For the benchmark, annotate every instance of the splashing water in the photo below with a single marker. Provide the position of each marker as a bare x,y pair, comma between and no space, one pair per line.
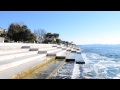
101,66
76,71
101,62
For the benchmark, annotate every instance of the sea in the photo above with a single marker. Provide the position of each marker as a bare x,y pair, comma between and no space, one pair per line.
101,62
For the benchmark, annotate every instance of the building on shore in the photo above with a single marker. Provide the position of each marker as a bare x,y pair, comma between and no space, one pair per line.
39,39
2,31
1,40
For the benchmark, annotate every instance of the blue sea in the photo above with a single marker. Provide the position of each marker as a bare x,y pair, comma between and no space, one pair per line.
101,62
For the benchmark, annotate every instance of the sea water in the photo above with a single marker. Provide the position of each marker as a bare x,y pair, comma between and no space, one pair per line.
101,62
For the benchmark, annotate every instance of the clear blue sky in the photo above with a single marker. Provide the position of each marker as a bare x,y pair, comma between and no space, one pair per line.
82,27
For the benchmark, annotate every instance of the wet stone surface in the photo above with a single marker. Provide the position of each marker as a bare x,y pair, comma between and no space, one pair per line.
65,72
47,71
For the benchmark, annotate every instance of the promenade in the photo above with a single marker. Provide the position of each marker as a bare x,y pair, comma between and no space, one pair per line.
20,59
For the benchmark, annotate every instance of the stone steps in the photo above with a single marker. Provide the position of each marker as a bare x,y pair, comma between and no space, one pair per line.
25,56
75,57
71,58
20,54
13,71
61,55
5,64
54,52
6,46
3,52
42,49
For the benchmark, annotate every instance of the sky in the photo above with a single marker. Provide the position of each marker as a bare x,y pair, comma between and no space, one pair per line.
81,27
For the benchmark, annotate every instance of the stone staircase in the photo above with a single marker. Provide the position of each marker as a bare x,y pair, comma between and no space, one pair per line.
18,57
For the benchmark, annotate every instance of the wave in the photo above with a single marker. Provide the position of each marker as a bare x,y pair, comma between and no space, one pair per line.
100,67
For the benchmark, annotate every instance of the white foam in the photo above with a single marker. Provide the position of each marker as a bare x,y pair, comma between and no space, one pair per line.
85,58
100,67
95,67
76,71
117,76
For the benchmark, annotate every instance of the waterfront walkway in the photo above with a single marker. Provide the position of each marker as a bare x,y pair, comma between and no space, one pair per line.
20,59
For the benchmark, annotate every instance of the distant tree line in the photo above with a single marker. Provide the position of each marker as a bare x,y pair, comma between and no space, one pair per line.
21,33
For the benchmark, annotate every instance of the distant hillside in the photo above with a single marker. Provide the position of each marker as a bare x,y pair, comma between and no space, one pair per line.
99,45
